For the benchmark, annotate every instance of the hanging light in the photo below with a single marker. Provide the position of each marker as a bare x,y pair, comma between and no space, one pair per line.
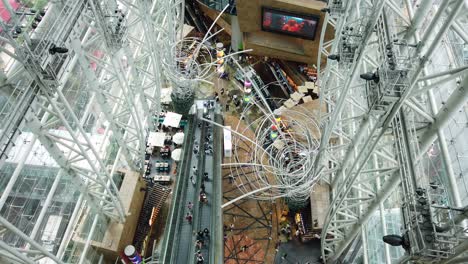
370,76
54,49
334,57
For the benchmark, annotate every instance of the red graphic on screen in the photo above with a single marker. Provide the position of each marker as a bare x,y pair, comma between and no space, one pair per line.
283,22
293,26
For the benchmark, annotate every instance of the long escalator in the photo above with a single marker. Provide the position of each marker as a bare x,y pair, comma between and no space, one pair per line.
181,235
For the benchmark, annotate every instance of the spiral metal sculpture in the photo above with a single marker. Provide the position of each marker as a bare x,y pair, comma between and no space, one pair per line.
281,152
186,61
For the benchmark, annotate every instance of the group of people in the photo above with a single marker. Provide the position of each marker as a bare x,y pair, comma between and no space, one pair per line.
202,235
208,147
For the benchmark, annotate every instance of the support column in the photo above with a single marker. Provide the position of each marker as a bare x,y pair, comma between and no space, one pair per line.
15,253
456,100
16,172
421,13
454,193
46,205
383,221
71,225
23,236
236,34
387,189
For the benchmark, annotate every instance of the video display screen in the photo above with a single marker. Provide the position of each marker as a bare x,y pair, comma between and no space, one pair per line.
299,25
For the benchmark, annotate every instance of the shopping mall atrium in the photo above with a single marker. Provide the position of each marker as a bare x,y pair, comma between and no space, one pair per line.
233,131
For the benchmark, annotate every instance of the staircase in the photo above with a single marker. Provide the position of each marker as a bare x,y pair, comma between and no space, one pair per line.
154,200
306,218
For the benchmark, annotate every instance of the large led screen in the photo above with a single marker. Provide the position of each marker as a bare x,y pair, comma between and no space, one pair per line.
298,25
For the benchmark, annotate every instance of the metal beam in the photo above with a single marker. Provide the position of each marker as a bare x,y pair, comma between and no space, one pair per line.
387,189
456,100
458,250
26,238
352,75
58,156
434,34
15,253
103,103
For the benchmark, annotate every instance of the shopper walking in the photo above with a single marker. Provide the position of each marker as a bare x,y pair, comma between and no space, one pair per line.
199,244
192,179
200,234
200,260
189,218
199,257
206,232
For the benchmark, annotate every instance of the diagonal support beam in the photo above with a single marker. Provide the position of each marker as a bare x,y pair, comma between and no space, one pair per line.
457,100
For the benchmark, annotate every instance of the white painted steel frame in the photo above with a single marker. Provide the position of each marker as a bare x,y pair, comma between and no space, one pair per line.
336,82
129,117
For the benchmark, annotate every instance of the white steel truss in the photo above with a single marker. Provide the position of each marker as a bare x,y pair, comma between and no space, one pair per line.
394,120
110,49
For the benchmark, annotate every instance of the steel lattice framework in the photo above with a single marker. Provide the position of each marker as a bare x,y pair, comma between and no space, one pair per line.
109,49
86,80
378,129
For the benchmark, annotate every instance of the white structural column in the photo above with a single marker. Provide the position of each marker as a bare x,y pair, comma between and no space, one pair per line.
456,101
381,214
236,34
334,116
99,92
70,227
113,48
344,221
80,176
149,82
45,206
150,37
16,172
34,244
453,188
15,254
121,89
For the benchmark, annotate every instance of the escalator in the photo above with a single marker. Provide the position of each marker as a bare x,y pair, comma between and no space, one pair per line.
219,5
193,17
280,76
258,83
